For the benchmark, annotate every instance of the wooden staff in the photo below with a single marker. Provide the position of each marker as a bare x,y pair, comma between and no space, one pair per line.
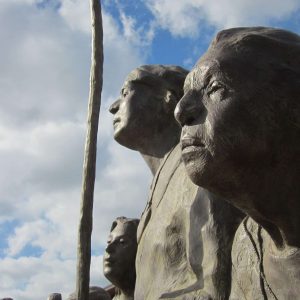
89,165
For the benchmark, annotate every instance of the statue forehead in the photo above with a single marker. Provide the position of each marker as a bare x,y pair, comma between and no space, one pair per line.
192,78
203,70
133,75
123,228
137,75
142,76
219,62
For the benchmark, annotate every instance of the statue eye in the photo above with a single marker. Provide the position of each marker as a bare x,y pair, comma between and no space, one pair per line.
217,91
122,241
124,92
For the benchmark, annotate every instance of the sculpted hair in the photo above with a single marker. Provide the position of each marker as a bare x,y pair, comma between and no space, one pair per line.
131,223
161,78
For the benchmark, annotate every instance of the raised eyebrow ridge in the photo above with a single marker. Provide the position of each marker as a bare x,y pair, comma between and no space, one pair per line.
188,82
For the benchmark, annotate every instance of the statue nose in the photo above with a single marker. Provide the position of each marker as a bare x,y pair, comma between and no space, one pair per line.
110,248
188,109
114,107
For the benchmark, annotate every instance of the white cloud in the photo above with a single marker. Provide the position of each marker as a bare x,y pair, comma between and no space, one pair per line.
180,17
45,59
77,14
191,17
133,33
41,74
25,234
38,277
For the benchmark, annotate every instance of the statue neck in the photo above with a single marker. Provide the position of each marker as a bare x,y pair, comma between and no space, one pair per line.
152,162
123,296
155,150
274,203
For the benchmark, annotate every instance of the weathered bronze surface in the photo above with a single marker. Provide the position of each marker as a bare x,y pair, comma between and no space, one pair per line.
240,123
185,233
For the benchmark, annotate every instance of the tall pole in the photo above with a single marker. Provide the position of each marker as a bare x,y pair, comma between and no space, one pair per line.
89,165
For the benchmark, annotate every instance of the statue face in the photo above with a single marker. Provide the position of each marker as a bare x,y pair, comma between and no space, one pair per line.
221,135
135,114
119,256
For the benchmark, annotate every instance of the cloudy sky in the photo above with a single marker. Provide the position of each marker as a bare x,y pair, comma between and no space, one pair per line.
44,80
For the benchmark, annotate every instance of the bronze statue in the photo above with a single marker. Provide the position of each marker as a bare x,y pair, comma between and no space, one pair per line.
119,257
143,115
185,233
240,121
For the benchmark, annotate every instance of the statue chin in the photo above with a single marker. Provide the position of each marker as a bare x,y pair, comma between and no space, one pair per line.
106,271
124,139
196,174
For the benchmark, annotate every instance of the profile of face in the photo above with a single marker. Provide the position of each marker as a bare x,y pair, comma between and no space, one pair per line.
135,113
226,115
146,104
217,131
120,253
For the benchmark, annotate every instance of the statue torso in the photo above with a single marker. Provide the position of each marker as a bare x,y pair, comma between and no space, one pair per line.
259,274
179,247
162,258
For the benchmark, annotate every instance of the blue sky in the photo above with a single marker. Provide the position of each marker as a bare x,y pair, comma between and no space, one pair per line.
45,61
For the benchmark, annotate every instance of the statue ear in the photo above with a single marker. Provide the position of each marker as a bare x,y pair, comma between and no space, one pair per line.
170,101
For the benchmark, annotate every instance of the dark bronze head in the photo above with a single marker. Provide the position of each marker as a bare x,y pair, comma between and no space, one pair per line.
240,112
120,253
146,104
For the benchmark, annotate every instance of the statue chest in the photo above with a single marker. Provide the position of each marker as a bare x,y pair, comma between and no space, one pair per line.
256,273
162,262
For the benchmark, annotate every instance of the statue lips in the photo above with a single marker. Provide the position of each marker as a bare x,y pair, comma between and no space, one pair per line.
116,121
108,260
189,144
